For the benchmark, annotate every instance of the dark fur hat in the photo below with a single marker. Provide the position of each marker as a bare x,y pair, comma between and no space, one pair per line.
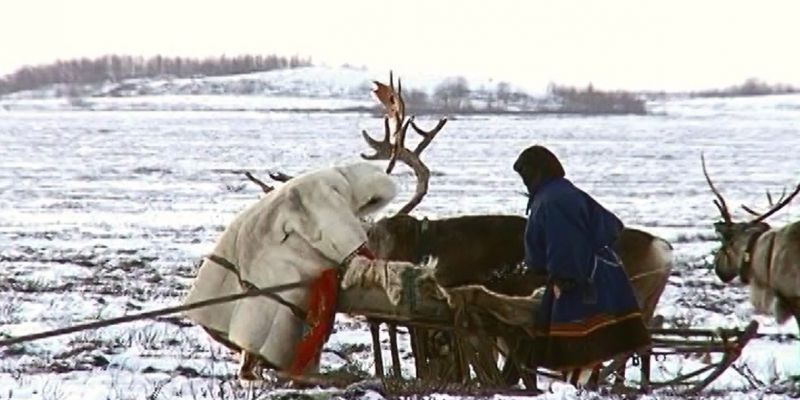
537,163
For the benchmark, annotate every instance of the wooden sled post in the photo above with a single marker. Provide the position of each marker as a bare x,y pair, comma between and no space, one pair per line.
396,370
645,368
374,330
418,352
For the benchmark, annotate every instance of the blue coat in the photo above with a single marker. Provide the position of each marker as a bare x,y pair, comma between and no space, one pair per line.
569,238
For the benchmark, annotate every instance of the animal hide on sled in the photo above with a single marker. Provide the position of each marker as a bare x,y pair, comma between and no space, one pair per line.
411,289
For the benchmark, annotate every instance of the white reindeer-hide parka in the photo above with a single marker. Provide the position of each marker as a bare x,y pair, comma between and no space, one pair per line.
309,224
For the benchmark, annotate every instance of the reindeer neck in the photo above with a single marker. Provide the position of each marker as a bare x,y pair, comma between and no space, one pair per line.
746,263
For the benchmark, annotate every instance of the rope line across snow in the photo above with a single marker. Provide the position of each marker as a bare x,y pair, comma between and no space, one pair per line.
151,314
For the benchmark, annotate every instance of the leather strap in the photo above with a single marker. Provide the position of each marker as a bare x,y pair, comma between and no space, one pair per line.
769,259
424,240
746,265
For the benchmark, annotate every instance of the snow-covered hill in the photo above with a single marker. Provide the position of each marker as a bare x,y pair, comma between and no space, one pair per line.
312,82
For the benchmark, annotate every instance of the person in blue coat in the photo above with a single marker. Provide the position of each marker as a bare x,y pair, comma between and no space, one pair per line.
589,312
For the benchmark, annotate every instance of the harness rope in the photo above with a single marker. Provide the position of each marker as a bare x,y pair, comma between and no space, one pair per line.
246,285
769,259
154,313
647,273
424,238
250,290
746,263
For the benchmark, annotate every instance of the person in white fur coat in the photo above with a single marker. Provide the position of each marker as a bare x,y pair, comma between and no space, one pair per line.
302,230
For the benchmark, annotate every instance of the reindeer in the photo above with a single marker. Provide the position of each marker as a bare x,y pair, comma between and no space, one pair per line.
765,258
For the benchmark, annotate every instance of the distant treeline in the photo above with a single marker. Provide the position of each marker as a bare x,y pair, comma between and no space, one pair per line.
452,95
455,95
118,67
591,101
750,87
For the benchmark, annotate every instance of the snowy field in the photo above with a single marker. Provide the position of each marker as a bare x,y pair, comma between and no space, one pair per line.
106,213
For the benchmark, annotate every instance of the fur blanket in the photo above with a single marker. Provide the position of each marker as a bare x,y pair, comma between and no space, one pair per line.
391,279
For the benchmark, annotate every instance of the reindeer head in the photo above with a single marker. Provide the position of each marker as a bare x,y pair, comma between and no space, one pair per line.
736,237
396,238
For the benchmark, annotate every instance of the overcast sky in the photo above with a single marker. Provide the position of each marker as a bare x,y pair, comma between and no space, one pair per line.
635,44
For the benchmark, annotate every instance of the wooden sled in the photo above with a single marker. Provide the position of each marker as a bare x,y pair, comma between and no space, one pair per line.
475,338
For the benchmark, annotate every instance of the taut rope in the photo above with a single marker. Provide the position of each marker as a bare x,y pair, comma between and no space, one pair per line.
647,273
152,314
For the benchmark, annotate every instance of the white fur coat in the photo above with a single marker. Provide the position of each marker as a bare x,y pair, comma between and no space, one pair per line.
305,226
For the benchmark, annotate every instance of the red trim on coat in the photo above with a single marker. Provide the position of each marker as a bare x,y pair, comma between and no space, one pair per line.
320,317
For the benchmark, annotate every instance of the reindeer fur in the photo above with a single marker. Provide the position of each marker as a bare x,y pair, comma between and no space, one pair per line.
774,272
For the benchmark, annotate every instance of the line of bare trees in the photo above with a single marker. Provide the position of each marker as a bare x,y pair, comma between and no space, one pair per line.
118,67
454,94
750,87
589,100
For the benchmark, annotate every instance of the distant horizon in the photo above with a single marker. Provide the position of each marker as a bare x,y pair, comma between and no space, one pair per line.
316,63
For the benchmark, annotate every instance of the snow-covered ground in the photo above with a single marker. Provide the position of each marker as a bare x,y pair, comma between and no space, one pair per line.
107,213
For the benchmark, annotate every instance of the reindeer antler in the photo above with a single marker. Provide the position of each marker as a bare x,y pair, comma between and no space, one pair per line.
769,200
396,125
720,201
774,207
395,112
275,176
264,187
280,176
392,147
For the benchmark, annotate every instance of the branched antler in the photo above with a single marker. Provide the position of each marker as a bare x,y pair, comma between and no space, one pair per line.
769,200
264,187
276,176
280,176
720,201
760,217
396,126
392,147
427,136
773,206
